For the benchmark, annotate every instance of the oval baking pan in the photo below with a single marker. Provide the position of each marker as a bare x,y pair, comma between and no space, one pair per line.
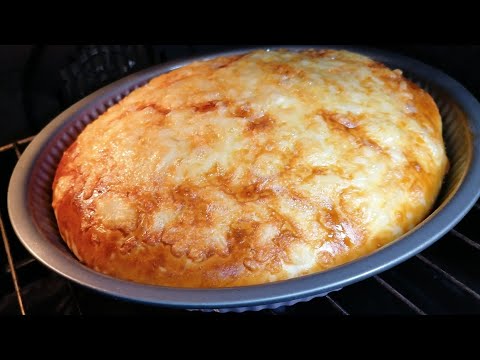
30,192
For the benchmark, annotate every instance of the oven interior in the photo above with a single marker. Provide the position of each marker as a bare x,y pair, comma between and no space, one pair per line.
41,81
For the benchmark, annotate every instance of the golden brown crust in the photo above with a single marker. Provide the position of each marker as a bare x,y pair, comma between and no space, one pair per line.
248,169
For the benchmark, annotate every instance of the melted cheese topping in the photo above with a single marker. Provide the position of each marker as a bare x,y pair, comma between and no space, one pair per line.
248,169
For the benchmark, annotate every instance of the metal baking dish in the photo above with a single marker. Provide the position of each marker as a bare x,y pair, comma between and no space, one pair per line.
29,197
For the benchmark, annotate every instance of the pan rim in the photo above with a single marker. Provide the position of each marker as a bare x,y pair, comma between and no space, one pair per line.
426,233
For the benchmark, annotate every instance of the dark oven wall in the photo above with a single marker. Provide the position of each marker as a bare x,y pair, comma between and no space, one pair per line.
37,82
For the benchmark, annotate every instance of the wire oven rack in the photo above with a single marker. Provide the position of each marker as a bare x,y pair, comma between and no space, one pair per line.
444,279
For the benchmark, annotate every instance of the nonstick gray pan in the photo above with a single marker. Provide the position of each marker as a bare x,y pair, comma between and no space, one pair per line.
29,197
